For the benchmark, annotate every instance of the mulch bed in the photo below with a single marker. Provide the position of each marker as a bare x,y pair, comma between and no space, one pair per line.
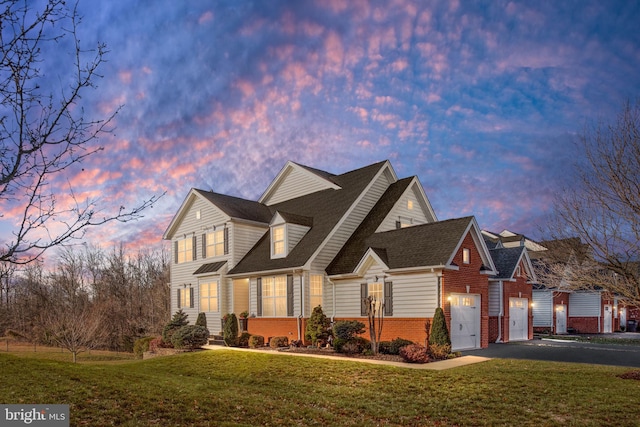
331,352
631,375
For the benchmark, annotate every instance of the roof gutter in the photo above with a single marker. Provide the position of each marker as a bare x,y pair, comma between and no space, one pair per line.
266,272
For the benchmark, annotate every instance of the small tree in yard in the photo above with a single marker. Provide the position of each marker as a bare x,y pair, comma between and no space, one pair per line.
439,332
202,320
375,316
178,320
230,331
317,327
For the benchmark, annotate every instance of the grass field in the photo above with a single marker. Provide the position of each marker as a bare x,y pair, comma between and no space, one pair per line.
226,387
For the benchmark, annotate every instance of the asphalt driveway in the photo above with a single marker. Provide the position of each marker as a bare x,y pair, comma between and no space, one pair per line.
563,351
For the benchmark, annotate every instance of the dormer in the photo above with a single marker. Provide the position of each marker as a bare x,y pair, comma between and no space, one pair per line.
286,230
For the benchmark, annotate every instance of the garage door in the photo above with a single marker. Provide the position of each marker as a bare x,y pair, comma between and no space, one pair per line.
518,319
465,321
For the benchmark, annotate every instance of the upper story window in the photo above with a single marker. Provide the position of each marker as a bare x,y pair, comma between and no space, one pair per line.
184,250
278,246
410,205
215,243
315,290
466,256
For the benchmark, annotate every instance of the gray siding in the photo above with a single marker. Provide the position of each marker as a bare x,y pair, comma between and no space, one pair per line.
295,233
350,223
542,309
584,304
401,212
296,183
242,237
494,299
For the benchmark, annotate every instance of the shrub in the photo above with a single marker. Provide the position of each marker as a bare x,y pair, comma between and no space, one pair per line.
439,352
414,353
243,339
155,344
256,341
230,330
141,345
277,342
317,328
439,332
178,320
397,344
202,320
190,336
347,329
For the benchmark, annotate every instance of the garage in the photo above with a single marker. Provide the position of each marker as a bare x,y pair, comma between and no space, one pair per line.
518,319
465,321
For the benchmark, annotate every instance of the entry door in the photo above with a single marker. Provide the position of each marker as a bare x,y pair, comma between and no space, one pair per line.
518,319
623,318
608,319
561,319
465,321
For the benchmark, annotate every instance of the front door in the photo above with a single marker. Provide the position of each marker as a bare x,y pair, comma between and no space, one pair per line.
465,321
608,319
561,319
623,318
518,319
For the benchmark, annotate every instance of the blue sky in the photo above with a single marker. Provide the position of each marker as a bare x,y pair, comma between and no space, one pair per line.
481,100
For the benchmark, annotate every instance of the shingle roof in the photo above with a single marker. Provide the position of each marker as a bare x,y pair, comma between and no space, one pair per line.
210,267
236,207
326,207
424,245
506,261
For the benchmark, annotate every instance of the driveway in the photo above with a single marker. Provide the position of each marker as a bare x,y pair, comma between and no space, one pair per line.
563,351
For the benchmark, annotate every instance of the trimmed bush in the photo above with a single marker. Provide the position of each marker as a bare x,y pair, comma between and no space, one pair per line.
317,328
141,345
414,353
190,336
243,339
202,320
230,330
256,341
277,342
393,347
156,343
439,352
439,332
347,329
178,320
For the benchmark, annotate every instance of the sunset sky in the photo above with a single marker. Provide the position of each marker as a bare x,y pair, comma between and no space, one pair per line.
481,100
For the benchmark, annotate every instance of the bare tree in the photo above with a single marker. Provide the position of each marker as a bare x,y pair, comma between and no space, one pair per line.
44,130
375,316
596,223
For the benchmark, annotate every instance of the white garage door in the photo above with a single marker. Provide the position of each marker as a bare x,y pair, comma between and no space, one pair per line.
465,321
518,319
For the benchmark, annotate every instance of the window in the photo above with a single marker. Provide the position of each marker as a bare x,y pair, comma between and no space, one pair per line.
185,297
466,256
382,292
315,290
209,296
215,243
410,205
277,241
274,296
184,250
375,291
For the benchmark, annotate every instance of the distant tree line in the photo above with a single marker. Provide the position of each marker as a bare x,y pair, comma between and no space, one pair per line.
90,298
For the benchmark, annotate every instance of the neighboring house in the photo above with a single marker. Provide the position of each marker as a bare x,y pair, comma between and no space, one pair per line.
510,290
315,238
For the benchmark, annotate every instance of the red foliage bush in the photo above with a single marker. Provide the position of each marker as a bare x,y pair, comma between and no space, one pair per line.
414,353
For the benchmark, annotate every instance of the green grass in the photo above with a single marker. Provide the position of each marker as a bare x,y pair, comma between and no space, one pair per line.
226,387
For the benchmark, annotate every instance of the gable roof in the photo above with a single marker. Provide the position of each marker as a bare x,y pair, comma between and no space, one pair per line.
314,178
428,245
506,260
326,207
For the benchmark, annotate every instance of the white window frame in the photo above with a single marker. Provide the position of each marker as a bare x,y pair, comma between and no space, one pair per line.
466,255
206,298
376,290
316,282
279,246
274,296
215,243
185,250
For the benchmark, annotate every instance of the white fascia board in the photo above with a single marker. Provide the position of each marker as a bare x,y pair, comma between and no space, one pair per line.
481,246
364,263
286,170
184,207
267,272
416,182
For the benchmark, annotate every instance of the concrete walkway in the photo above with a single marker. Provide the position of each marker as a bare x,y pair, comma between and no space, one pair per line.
433,366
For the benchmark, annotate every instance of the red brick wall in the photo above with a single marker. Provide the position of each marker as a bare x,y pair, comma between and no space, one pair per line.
493,328
583,325
468,275
275,327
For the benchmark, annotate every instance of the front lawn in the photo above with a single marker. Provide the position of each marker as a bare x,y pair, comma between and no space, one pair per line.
226,387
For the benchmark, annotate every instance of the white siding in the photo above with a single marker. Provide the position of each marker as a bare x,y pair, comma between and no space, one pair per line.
542,309
295,233
418,215
242,237
296,183
584,304
494,299
349,225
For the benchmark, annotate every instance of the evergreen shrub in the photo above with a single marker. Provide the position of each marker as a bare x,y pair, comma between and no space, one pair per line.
190,337
439,332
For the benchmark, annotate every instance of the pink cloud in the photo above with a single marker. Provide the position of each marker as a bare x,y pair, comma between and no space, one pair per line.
361,112
205,17
125,76
334,52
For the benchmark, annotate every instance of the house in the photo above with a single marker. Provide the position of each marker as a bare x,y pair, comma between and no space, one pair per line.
510,290
317,238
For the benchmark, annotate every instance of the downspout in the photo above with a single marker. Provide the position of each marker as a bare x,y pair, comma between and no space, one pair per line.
333,309
301,306
501,313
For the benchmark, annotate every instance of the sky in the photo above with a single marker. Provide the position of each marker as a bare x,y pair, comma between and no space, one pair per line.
482,101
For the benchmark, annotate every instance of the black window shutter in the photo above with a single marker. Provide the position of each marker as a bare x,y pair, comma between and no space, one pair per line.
259,296
226,241
191,299
175,251
289,295
179,298
364,293
388,298
204,245
193,246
